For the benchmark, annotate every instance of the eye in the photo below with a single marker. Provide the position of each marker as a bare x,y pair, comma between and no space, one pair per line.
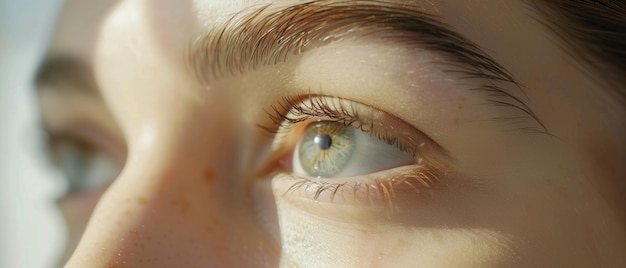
330,149
327,146
85,165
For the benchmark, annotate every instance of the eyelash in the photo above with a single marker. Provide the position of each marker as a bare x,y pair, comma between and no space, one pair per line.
384,189
289,112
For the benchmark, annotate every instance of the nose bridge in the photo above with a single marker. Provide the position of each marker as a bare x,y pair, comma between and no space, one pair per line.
163,208
166,195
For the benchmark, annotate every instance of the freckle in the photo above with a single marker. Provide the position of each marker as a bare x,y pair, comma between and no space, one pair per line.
118,223
141,200
174,202
184,207
456,121
138,245
460,107
208,228
126,212
208,175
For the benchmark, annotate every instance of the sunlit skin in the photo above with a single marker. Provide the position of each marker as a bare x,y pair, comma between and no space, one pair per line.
203,186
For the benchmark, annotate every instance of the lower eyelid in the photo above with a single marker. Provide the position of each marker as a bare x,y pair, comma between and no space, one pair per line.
378,190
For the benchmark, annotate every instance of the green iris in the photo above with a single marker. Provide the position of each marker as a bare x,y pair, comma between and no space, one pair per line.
326,148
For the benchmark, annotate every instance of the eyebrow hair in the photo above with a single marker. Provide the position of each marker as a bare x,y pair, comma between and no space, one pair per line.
593,32
268,36
66,73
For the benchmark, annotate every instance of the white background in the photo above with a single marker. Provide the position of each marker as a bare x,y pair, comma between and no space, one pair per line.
31,232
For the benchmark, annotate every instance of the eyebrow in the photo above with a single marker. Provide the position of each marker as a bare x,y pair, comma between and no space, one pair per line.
66,73
593,33
269,35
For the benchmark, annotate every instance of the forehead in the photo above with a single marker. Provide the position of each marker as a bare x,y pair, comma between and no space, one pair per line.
81,22
77,28
173,24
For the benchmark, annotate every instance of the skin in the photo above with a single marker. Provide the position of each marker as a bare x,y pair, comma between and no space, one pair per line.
192,193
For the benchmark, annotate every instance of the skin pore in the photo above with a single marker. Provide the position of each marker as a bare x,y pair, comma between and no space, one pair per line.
513,151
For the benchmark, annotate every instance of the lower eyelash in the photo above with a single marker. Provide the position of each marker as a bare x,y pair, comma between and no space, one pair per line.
373,189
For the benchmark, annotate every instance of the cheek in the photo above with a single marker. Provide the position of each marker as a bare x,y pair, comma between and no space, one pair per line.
309,240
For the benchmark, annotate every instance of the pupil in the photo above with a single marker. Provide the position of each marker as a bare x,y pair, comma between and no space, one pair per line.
323,141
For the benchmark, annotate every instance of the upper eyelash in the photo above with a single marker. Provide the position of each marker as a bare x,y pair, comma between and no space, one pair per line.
290,111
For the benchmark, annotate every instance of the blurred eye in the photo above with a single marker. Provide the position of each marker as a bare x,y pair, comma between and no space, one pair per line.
331,149
85,166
